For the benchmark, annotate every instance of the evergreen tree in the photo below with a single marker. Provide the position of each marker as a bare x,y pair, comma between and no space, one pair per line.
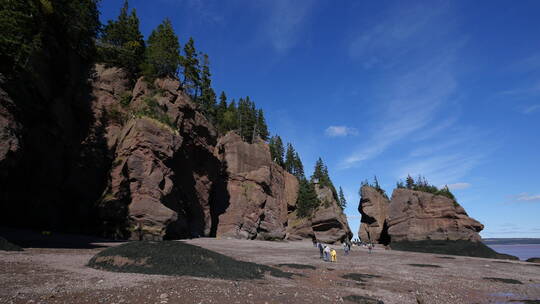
37,37
299,167
307,200
162,54
262,128
207,99
342,200
220,113
121,43
290,159
321,176
409,182
230,120
277,150
190,65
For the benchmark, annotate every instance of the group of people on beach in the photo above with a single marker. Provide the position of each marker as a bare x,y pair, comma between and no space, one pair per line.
329,254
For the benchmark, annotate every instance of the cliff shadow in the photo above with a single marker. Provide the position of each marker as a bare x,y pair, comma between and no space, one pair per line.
219,198
26,238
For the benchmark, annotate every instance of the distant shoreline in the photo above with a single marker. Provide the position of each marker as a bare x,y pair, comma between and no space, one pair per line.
510,241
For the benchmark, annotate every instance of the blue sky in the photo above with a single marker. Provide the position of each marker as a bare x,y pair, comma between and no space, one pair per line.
446,89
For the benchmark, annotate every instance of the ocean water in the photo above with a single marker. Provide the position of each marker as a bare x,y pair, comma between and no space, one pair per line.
522,251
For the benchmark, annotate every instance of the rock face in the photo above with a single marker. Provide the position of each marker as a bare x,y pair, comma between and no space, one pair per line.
254,203
415,216
329,223
163,169
141,162
374,210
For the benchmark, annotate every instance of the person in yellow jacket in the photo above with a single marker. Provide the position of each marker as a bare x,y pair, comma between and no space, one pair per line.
333,255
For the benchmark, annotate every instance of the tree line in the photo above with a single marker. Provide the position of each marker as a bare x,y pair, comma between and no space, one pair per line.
289,160
421,184
122,44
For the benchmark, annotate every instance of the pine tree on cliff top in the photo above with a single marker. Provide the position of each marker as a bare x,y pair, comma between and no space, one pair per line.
342,200
262,128
190,65
290,161
307,200
276,150
162,54
121,42
299,167
207,99
220,113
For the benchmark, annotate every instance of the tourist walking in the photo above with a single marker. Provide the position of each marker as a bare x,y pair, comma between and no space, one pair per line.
370,246
346,248
321,249
326,253
333,254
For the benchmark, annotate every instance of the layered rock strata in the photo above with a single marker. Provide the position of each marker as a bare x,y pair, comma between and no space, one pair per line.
374,210
416,215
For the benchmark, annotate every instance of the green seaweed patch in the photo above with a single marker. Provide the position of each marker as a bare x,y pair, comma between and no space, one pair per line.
362,299
446,257
359,277
297,266
178,259
8,246
503,280
425,265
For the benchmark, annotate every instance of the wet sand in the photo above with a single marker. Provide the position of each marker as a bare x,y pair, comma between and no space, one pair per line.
59,275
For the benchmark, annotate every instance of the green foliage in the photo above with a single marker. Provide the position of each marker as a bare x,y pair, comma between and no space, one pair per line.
292,163
163,53
125,99
342,201
153,110
307,200
207,99
115,115
321,177
190,65
421,184
277,150
34,33
121,43
262,128
375,185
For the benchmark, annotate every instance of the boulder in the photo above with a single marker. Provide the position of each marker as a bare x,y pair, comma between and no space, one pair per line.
253,202
374,210
328,221
416,216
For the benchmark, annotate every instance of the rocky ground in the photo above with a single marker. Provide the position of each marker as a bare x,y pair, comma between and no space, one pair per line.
59,275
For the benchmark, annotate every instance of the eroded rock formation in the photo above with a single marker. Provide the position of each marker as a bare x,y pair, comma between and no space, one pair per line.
416,215
329,222
163,168
258,191
140,161
374,210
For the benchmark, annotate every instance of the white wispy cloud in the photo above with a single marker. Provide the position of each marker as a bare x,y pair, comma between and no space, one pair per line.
525,197
401,27
531,109
416,98
286,20
420,80
458,186
336,131
441,169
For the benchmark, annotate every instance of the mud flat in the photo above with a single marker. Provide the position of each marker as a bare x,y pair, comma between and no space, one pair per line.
61,275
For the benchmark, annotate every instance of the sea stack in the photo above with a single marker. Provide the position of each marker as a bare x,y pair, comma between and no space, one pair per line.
373,207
